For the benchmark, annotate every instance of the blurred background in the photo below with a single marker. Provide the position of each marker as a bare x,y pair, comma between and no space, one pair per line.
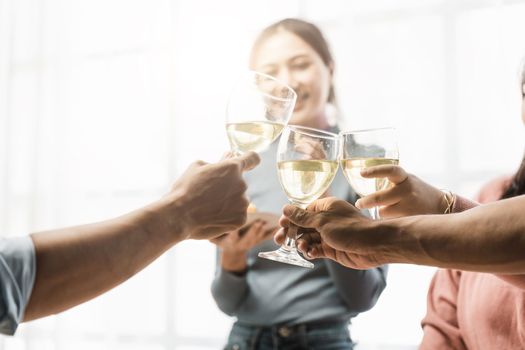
104,102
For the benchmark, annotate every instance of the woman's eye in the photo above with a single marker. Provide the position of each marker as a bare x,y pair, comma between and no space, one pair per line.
301,65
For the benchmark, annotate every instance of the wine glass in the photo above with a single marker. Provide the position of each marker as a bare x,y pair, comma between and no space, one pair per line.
306,164
259,107
366,148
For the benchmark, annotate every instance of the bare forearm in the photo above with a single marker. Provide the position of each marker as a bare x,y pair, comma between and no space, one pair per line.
79,263
489,238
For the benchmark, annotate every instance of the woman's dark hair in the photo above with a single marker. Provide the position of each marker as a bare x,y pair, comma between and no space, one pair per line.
310,34
517,187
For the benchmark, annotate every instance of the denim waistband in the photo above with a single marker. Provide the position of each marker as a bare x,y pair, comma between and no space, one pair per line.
326,334
287,328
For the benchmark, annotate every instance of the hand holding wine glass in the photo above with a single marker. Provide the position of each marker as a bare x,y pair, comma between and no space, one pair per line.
307,164
333,229
368,148
408,195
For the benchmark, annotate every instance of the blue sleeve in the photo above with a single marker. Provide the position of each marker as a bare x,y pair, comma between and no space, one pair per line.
17,276
228,289
359,289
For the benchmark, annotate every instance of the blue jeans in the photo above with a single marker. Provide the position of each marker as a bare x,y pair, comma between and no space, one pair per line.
311,336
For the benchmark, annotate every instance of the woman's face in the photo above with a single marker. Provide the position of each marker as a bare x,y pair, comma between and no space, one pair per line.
287,57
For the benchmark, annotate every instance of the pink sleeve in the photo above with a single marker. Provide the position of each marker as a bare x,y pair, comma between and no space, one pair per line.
490,192
494,189
440,325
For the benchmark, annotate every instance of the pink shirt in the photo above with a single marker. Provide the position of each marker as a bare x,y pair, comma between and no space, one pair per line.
469,310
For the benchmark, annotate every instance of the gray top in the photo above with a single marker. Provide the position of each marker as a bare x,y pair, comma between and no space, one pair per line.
271,293
17,276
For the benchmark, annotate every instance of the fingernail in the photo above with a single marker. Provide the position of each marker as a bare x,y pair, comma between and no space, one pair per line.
358,204
365,171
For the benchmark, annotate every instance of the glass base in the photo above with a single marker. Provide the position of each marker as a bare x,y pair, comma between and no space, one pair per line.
286,256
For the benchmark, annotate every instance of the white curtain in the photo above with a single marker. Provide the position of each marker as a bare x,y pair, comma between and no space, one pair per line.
103,103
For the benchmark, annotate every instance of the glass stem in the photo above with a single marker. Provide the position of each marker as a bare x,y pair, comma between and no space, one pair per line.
293,232
289,243
374,213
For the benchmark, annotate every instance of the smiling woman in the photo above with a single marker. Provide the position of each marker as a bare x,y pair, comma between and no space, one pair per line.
296,53
278,305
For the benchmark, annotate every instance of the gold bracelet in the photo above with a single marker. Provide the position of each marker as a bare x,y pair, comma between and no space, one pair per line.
449,198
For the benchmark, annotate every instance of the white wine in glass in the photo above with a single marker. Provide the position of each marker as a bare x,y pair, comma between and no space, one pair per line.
306,165
363,186
306,180
259,107
366,148
252,136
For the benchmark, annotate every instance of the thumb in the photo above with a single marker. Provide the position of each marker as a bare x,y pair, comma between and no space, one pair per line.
301,217
394,173
247,161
